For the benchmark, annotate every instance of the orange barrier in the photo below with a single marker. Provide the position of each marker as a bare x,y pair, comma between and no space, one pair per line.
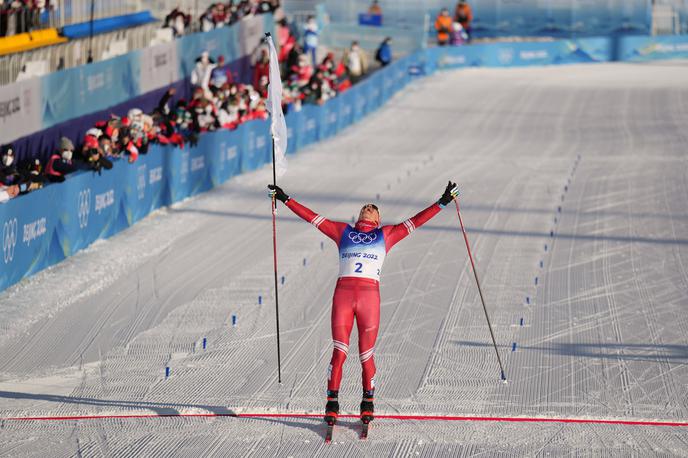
27,41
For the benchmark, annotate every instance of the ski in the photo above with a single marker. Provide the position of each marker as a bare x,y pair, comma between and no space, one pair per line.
364,431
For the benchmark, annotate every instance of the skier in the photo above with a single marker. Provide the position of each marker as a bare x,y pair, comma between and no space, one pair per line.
362,251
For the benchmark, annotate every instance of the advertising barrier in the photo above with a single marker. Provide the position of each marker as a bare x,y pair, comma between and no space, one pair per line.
45,226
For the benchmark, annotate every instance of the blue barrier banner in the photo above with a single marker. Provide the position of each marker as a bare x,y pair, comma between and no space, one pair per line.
81,90
75,92
294,121
223,41
639,49
346,109
518,54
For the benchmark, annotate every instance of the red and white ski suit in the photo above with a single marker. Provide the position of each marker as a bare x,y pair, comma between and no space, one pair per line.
362,251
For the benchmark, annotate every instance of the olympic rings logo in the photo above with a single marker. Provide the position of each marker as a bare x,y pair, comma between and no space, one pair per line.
9,239
84,207
362,237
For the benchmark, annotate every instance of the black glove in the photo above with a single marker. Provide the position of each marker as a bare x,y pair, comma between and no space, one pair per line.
450,193
278,193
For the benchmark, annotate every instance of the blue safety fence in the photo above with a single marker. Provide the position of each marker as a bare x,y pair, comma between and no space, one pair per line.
45,226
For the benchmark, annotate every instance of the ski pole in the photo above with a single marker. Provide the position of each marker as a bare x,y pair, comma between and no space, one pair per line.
480,291
274,252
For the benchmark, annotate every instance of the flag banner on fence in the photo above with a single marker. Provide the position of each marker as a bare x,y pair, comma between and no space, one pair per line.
278,125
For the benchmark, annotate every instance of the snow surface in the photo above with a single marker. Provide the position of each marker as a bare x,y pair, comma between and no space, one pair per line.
604,331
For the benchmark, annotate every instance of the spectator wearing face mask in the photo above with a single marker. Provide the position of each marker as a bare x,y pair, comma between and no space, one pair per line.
9,175
60,163
356,62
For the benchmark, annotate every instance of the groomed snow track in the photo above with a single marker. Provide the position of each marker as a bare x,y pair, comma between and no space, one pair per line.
574,182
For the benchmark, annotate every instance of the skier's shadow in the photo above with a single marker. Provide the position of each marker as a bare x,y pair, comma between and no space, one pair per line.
316,425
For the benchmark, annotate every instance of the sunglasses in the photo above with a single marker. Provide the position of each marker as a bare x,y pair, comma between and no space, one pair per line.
373,206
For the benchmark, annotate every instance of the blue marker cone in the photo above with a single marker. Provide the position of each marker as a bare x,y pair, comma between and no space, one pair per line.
322,245
282,279
205,342
536,280
260,300
513,346
542,264
167,371
527,299
304,262
521,321
234,320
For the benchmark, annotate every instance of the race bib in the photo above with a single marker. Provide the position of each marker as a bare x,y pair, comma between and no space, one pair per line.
361,254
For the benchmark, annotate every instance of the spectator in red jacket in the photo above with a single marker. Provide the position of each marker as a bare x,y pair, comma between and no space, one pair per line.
60,163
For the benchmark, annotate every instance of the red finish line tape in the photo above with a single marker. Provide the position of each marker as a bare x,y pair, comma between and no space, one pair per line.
379,417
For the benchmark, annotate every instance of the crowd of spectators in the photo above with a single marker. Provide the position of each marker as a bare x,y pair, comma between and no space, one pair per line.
20,16
454,30
217,101
218,15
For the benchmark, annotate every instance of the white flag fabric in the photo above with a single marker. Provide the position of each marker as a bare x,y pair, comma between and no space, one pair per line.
278,126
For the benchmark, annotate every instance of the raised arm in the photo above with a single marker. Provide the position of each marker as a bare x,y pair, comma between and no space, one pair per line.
395,234
332,229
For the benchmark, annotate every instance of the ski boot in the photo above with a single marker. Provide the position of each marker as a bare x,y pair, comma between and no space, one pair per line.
367,410
332,407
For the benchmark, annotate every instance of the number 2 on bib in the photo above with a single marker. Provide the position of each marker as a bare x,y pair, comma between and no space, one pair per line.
359,268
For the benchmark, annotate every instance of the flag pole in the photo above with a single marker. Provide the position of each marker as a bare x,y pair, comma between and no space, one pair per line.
274,253
480,291
280,135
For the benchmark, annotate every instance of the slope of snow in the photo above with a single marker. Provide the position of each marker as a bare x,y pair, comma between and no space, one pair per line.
573,185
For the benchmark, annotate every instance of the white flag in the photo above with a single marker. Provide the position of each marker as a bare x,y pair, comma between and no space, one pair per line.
278,126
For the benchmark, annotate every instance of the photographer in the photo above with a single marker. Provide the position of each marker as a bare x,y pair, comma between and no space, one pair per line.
91,152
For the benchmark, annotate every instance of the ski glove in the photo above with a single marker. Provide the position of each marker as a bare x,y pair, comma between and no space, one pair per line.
277,192
450,193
